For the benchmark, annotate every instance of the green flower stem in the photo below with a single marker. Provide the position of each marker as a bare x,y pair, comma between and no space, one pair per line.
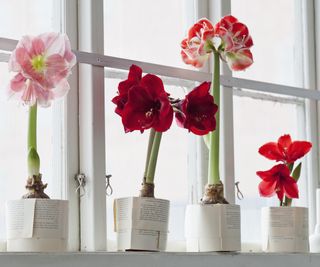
33,157
151,138
213,173
153,158
32,130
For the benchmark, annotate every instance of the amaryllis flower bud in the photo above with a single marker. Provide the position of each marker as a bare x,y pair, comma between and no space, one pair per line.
43,64
197,111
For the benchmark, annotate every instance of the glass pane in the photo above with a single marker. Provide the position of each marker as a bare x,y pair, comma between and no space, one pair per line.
275,30
126,158
257,122
146,30
22,17
19,18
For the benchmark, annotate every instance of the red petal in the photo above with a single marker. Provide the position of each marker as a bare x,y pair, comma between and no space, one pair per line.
267,189
240,29
135,73
290,187
280,193
297,150
285,141
271,151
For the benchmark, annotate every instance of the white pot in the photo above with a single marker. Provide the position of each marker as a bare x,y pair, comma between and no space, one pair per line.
284,229
214,227
35,225
315,238
141,223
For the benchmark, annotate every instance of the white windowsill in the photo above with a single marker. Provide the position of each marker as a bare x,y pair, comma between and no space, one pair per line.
141,259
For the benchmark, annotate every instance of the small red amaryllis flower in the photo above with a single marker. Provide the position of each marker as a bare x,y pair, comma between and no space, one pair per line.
197,111
278,180
134,77
236,43
285,150
198,44
148,106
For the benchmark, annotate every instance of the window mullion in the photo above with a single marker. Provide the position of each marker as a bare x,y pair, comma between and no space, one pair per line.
92,128
68,111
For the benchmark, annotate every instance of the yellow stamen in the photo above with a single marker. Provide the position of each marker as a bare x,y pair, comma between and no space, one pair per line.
38,63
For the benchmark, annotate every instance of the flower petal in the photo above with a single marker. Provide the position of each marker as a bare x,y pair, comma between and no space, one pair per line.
267,189
297,150
285,141
290,187
271,151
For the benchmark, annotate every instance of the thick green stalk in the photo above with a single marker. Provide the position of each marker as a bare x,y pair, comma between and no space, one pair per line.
150,143
32,129
33,157
153,158
213,173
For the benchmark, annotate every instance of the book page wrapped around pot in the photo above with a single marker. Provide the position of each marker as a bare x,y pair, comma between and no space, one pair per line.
42,65
214,224
284,228
143,104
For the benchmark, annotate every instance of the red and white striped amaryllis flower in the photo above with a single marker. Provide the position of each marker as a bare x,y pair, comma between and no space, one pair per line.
235,43
229,37
43,64
196,48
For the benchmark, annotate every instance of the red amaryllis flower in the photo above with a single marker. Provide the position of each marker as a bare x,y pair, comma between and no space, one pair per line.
197,111
197,46
278,180
236,43
285,150
148,106
134,77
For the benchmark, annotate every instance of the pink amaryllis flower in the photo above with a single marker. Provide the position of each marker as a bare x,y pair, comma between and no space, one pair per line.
42,64
197,111
235,43
278,181
196,48
285,150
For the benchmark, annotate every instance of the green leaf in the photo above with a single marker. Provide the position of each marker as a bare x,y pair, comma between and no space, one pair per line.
297,171
290,166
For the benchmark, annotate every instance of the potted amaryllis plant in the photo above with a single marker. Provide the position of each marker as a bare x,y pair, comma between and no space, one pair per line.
228,40
284,228
42,64
143,104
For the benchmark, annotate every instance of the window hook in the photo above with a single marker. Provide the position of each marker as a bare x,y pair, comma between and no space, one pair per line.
109,189
81,179
239,193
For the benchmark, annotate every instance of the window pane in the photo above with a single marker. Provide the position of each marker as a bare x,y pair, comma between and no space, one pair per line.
126,158
146,30
257,122
20,18
275,30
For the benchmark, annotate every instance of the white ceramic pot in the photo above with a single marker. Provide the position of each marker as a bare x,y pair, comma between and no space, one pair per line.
37,225
285,229
315,238
141,223
214,227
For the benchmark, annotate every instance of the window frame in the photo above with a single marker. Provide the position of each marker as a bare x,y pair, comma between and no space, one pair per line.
83,119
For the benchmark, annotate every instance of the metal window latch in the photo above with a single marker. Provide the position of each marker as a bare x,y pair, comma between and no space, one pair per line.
81,181
239,193
109,189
